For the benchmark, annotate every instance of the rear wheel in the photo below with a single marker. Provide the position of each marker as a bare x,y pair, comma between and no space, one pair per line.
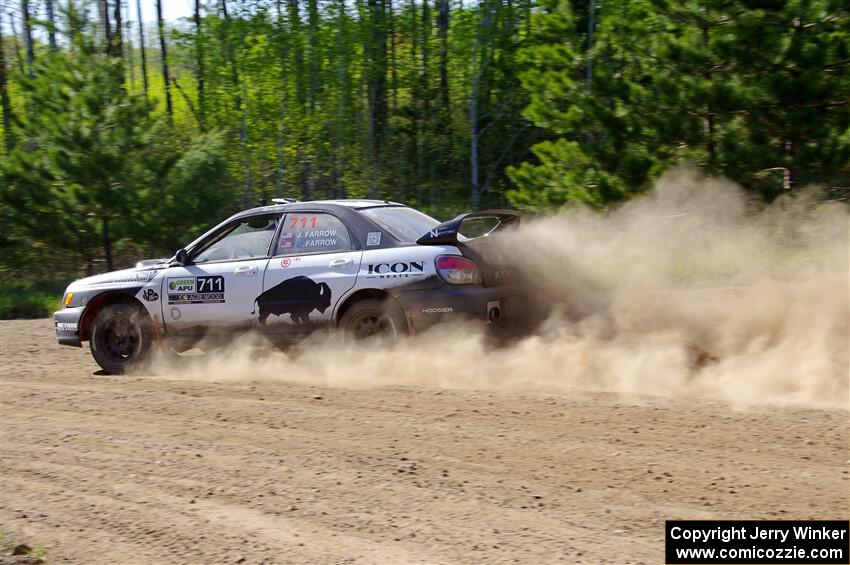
373,319
121,337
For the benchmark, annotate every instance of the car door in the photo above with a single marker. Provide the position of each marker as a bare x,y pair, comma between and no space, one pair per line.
314,263
215,293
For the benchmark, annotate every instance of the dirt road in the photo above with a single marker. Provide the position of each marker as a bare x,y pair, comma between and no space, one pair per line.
155,469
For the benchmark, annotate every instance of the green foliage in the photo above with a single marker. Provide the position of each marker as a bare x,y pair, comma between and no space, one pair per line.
440,105
30,300
754,91
94,165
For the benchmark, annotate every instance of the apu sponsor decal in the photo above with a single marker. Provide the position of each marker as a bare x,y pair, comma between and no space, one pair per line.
196,290
401,269
181,285
150,295
297,297
66,326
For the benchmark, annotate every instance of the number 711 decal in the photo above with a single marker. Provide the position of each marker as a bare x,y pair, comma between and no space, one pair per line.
210,284
304,221
196,290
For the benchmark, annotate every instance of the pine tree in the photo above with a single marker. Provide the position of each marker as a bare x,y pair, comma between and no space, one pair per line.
95,164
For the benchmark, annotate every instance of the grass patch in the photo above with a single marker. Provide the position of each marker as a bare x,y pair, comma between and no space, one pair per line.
30,300
20,552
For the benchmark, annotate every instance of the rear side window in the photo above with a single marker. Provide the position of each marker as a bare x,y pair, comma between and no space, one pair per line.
312,232
405,224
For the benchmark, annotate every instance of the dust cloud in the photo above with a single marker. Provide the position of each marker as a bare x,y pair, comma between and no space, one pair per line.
689,290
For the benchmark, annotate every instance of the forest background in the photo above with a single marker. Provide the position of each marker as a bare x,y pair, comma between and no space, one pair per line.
122,139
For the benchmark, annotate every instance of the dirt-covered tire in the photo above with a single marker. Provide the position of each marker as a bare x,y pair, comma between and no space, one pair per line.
371,318
121,338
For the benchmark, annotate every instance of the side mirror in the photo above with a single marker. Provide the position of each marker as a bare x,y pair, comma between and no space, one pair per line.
181,257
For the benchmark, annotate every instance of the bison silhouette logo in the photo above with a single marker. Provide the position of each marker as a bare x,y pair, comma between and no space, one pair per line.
297,297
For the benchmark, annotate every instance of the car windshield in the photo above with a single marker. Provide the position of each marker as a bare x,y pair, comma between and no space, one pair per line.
405,224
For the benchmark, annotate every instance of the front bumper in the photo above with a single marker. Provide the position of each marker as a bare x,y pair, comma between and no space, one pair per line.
67,322
426,307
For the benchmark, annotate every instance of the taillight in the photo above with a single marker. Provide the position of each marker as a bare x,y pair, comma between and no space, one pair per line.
455,269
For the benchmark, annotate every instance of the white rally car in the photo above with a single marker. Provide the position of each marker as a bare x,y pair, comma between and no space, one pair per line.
366,267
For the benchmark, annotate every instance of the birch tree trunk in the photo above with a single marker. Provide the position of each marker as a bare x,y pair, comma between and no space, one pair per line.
25,14
142,47
443,35
117,38
18,58
164,56
478,62
8,140
199,56
105,24
51,21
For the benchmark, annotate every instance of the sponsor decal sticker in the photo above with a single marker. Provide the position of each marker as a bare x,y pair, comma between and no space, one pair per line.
150,295
181,285
196,290
373,238
285,262
437,310
438,232
176,314
66,326
144,276
401,269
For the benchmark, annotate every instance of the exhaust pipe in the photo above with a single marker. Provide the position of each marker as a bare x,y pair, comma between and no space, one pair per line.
493,314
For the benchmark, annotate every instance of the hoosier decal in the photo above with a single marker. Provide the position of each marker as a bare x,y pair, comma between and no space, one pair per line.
196,290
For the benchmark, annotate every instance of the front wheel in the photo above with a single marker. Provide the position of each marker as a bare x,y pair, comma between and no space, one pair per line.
369,319
121,337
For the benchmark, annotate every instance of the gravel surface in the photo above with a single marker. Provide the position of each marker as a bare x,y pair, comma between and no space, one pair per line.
155,469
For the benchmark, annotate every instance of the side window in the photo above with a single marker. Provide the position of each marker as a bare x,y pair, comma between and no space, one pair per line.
247,239
311,232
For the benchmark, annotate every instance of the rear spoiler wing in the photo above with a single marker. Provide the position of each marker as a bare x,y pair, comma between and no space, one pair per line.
447,232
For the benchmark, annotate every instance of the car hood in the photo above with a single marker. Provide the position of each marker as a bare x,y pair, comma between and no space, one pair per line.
124,277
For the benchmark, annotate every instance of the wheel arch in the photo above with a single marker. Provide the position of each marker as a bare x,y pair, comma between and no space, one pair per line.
365,294
100,302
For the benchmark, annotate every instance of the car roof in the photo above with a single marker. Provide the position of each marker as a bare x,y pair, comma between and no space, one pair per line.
296,205
347,210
